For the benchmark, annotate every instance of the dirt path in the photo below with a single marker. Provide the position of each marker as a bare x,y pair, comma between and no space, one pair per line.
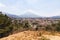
29,35
52,37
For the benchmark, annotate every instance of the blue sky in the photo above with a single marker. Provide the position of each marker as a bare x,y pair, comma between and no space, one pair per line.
39,7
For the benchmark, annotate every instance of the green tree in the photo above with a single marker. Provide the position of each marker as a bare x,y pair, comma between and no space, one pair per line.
5,25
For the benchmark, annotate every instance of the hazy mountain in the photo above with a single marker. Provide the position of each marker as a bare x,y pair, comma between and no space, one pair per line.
55,17
29,15
12,16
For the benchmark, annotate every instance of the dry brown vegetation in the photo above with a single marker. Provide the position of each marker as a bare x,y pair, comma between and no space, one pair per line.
31,35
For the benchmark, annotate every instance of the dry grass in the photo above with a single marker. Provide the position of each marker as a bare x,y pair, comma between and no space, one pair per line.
31,35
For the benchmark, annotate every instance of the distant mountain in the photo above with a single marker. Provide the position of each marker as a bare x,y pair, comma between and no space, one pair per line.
12,16
25,15
56,17
29,15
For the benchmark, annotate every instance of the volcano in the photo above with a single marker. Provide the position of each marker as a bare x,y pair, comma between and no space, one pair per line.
29,15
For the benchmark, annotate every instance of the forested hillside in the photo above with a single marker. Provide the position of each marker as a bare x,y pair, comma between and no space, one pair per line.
10,26
5,25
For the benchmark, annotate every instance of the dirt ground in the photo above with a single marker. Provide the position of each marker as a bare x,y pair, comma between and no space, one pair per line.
31,35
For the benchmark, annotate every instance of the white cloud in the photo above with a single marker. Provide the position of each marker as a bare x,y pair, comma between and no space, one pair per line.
31,1
21,7
2,5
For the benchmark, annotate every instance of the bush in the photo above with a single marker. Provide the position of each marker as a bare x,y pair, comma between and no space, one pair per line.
43,38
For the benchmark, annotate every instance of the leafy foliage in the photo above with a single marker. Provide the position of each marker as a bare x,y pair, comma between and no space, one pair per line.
5,25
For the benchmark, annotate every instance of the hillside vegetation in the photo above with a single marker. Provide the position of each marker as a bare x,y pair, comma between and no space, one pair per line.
9,26
5,25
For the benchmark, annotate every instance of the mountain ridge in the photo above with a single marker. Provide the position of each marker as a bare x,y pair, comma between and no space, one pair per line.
29,15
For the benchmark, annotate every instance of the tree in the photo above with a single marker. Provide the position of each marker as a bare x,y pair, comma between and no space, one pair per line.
5,25
58,26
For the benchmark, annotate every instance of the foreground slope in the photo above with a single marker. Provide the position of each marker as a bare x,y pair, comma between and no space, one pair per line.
30,35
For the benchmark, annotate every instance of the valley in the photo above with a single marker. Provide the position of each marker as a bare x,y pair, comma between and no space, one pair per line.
29,28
